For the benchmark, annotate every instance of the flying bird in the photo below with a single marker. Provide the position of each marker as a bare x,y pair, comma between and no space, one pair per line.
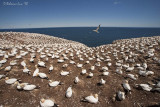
97,29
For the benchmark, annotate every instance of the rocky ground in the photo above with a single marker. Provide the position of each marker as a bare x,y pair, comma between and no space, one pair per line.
136,60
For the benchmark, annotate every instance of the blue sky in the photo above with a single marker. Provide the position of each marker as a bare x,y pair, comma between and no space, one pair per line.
75,13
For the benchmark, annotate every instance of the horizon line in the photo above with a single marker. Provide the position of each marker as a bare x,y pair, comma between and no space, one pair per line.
73,26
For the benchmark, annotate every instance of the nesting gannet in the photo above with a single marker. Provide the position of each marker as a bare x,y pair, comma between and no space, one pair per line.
29,87
102,82
105,73
84,71
121,95
79,65
69,92
104,68
10,81
54,83
41,63
97,29
130,69
91,99
145,87
2,76
119,71
92,68
50,69
36,71
132,76
23,63
126,86
90,74
76,80
25,70
63,73
8,68
31,60
42,75
47,103
60,60
4,60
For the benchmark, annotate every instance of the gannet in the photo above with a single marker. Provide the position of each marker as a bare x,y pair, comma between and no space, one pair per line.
126,86
47,103
105,73
102,82
84,71
41,63
76,80
29,87
145,87
121,95
36,71
54,83
90,74
91,99
10,81
42,75
7,69
132,76
23,63
63,73
25,70
2,76
69,92
50,69
97,29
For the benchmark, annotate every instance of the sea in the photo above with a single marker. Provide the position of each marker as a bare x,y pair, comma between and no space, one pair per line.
86,35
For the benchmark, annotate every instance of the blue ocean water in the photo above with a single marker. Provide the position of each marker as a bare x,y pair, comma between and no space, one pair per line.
85,34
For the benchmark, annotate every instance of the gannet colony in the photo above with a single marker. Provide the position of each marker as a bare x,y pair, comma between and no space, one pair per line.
38,70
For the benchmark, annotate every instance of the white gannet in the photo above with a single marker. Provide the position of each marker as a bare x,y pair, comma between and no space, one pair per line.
42,75
69,92
76,80
97,29
102,82
63,73
25,70
29,87
50,69
90,74
2,76
41,63
84,71
54,83
47,103
121,95
10,81
132,76
23,63
145,87
36,71
105,73
126,86
91,99
8,68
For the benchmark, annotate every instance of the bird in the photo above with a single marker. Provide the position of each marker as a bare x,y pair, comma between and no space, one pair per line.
23,63
90,74
105,73
63,73
42,75
8,68
145,87
47,103
36,71
50,69
121,95
97,29
69,92
132,76
76,80
91,99
54,83
102,82
84,71
10,81
25,70
41,63
29,87
2,76
126,86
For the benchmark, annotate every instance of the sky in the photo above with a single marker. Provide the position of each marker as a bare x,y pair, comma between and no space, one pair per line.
79,13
